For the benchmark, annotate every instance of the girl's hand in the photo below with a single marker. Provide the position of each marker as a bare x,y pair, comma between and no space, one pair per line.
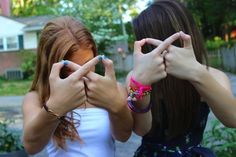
150,67
69,93
103,91
181,62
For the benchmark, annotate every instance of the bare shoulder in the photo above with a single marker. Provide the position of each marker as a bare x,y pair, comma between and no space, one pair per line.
220,77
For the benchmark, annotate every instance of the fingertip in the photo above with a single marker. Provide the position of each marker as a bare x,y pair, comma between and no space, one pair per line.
100,57
66,62
143,40
140,42
184,35
147,39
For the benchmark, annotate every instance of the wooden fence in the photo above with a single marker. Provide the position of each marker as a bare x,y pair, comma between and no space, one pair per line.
228,57
224,58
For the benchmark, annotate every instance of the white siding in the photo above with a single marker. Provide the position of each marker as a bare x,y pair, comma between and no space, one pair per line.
30,40
9,27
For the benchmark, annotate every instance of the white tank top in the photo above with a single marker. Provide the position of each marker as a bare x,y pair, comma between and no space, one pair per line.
95,132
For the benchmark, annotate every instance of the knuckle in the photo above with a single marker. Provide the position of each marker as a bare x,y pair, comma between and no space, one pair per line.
81,82
160,60
164,74
82,92
92,87
136,43
168,56
162,67
51,77
110,63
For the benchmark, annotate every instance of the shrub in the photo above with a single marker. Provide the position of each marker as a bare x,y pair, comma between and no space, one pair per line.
215,44
221,140
9,141
28,64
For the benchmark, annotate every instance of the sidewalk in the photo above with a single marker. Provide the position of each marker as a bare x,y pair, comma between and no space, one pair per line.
10,107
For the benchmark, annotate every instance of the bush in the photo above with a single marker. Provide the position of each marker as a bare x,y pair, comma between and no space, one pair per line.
28,64
215,44
221,140
9,141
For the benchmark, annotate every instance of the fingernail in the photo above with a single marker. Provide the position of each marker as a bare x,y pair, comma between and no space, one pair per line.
66,62
100,57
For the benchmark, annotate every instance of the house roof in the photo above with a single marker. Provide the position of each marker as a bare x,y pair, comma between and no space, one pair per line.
33,23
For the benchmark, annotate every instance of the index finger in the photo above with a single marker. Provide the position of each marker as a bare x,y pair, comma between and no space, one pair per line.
71,65
85,68
166,43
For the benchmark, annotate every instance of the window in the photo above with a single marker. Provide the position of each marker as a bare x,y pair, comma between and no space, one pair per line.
1,44
12,43
9,43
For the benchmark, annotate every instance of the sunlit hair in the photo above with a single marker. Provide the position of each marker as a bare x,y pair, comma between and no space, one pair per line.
59,38
175,101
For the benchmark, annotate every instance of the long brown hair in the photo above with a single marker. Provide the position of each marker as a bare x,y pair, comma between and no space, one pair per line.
59,38
174,100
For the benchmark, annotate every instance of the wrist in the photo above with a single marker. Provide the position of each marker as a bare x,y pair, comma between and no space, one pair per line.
140,77
118,107
53,105
198,73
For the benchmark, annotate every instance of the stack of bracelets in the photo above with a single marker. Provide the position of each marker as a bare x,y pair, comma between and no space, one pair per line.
136,92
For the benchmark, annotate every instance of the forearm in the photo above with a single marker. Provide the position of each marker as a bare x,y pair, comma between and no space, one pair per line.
221,100
38,131
142,121
121,122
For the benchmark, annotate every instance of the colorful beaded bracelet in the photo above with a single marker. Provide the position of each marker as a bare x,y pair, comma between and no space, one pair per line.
138,110
138,90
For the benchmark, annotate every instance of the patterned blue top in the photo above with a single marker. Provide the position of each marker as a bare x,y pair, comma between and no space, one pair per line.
187,145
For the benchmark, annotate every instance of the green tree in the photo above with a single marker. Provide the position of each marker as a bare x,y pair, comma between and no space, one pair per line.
216,18
104,18
34,7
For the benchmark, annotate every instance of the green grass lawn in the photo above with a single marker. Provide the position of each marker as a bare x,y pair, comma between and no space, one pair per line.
17,87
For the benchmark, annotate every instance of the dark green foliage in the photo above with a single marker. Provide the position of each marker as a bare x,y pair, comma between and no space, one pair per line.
221,140
9,141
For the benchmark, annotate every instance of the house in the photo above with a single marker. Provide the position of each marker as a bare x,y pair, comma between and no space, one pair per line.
18,34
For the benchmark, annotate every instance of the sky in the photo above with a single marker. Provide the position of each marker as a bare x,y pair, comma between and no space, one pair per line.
141,5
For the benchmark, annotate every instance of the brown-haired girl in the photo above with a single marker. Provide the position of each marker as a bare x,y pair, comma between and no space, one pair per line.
71,110
171,87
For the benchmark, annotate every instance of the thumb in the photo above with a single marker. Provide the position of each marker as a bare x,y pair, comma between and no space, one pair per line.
138,46
109,68
56,69
187,40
